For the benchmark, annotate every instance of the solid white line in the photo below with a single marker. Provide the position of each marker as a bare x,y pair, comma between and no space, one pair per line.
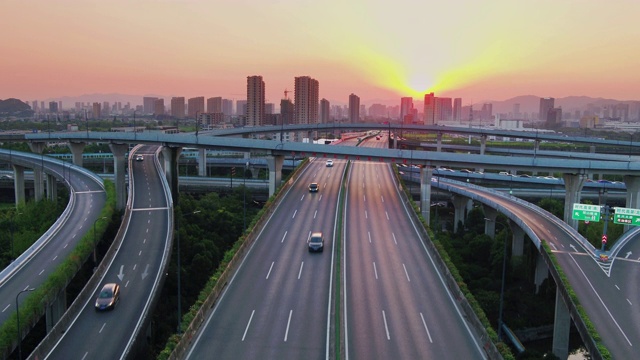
283,236
369,233
286,333
375,270
271,267
294,214
406,273
426,328
248,323
386,328
394,238
300,272
599,298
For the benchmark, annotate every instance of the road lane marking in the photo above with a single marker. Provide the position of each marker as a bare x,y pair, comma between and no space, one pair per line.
617,287
271,267
629,302
302,198
283,236
6,307
54,258
426,328
135,266
248,323
375,270
553,246
365,214
394,238
387,215
382,197
85,355
315,214
369,233
294,214
300,272
386,328
406,273
41,271
364,198
102,328
286,333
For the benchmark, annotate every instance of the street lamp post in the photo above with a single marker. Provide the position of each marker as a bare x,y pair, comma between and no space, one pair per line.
180,271
95,243
18,321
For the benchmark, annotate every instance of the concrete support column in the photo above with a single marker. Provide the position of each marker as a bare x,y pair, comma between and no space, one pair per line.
52,188
255,171
119,163
633,194
171,156
536,146
76,152
425,193
483,144
460,205
561,328
542,272
55,310
490,215
202,162
38,179
274,162
395,141
18,183
517,241
573,186
439,142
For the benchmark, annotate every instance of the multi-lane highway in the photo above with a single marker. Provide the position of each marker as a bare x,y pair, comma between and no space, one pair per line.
32,268
396,304
138,267
277,304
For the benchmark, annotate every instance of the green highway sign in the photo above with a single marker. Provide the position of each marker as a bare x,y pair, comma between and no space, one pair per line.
585,212
626,216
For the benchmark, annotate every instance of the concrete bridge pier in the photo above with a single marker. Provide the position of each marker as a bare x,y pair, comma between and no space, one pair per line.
18,183
439,142
633,194
38,179
76,152
202,162
425,193
573,186
119,162
561,328
460,205
490,215
541,273
483,148
171,156
517,240
55,310
52,187
274,162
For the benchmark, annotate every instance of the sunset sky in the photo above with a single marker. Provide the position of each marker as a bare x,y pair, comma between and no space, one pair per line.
380,50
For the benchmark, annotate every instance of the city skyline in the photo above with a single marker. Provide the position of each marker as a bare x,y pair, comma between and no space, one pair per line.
381,51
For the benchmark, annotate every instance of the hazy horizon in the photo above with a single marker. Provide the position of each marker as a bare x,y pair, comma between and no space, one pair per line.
383,50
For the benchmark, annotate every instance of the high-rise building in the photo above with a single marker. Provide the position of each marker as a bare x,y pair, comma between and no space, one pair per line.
354,108
325,111
287,111
306,96
158,107
269,108
97,111
429,109
34,105
487,111
241,107
457,109
546,104
444,109
378,111
554,118
406,108
195,106
227,107
42,106
59,105
177,107
214,105
53,107
516,111
255,101
148,104
106,108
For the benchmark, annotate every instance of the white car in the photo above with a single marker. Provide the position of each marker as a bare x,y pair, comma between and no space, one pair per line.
329,163
139,158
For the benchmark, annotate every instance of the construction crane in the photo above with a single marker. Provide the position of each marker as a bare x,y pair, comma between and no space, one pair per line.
286,92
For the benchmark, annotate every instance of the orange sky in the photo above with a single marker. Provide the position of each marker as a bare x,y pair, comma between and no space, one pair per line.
378,49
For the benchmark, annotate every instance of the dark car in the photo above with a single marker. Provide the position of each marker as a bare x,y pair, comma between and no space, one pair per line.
316,242
108,297
313,187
